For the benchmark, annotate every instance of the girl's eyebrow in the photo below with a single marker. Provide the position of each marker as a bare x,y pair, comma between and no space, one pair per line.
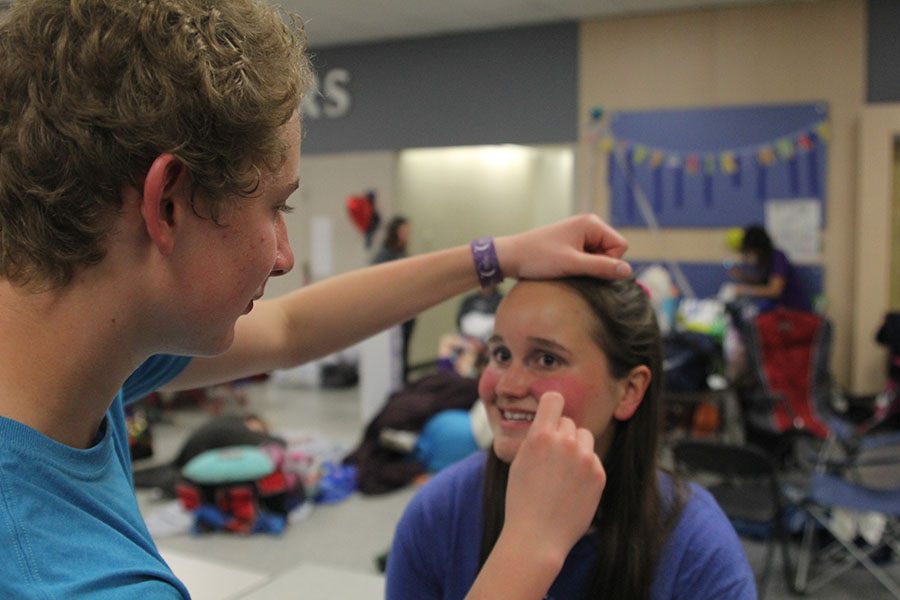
549,344
541,342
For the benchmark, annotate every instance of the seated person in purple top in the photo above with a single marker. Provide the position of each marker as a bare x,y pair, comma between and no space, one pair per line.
768,276
569,498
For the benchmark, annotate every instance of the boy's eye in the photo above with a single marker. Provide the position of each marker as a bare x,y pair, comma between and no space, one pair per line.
285,208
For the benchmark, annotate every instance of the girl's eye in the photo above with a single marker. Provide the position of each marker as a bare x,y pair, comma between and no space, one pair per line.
500,354
547,360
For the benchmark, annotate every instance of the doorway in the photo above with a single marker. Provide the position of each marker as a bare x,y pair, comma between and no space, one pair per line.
895,229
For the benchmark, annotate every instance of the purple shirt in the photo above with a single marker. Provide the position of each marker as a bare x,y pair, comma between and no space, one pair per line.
793,296
436,546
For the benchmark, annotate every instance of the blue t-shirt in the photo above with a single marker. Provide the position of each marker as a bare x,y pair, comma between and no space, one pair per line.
70,526
437,542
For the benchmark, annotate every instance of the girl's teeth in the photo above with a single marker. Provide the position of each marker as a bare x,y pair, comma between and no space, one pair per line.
518,416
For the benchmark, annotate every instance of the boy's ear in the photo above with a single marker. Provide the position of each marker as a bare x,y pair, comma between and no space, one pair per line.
631,392
166,191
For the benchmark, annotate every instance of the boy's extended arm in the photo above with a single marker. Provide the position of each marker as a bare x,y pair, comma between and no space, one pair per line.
319,319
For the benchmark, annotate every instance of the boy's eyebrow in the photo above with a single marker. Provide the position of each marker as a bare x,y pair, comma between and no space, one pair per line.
282,193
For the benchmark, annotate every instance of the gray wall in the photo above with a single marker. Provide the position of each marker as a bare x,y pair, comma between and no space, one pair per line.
883,64
503,86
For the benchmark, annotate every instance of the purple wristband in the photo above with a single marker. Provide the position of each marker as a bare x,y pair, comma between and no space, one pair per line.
486,264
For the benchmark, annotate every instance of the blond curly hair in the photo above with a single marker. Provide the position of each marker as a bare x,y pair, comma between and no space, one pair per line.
92,91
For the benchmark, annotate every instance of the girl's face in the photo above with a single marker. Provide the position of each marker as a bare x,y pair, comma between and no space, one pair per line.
542,342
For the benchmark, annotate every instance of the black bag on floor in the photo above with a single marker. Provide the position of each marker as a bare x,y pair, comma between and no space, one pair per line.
688,359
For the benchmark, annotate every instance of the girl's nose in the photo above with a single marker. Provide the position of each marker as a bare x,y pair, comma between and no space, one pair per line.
514,382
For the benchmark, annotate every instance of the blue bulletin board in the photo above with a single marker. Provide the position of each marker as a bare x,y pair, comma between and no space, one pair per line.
713,167
706,278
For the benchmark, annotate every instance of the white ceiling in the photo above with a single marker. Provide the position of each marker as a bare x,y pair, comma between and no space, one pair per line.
339,22
336,22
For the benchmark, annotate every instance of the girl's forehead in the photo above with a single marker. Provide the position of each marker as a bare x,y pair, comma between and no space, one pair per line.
533,307
540,294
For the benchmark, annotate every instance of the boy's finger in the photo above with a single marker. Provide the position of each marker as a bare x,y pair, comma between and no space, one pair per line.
585,439
567,427
603,266
549,410
602,238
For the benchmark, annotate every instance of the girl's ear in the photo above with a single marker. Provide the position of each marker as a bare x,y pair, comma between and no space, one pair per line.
631,392
165,192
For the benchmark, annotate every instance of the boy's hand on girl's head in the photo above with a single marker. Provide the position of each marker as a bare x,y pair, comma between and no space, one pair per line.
580,245
555,481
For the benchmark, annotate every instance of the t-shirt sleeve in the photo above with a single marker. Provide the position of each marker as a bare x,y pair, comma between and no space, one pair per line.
411,571
153,374
711,563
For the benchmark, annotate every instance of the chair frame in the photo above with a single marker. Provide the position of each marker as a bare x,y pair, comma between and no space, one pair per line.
804,581
731,462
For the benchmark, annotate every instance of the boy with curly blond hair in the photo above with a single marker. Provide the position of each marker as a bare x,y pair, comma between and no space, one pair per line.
148,149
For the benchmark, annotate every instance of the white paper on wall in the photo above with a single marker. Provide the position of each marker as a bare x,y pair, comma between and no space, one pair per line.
794,226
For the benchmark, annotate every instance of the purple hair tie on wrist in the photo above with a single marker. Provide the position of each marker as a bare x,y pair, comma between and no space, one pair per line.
486,264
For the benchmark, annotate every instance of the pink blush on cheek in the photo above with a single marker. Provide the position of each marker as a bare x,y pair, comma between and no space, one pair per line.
487,383
573,390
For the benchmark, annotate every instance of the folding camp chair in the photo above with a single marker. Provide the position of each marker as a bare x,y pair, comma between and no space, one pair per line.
790,351
852,474
744,482
788,391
